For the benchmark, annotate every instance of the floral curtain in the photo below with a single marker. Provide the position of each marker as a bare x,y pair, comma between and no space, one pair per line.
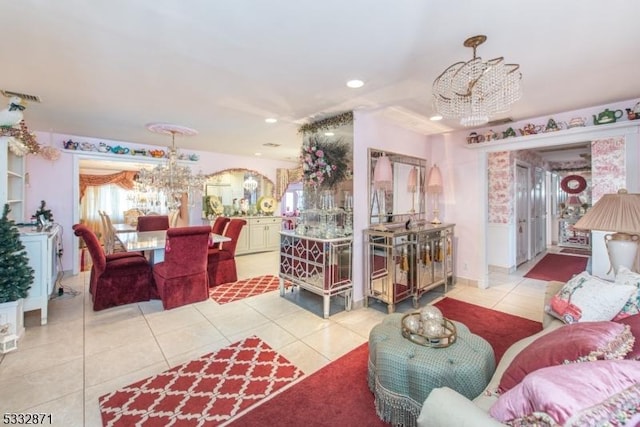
284,177
122,179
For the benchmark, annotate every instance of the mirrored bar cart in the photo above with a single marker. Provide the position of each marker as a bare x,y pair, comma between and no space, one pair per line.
402,264
317,264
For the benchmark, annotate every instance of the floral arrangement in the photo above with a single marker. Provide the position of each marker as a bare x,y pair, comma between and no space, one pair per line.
325,163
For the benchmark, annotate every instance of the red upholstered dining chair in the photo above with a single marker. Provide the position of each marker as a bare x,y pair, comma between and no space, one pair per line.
218,228
153,222
122,279
221,262
182,277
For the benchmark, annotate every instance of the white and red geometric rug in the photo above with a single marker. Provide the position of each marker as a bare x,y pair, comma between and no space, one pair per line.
234,291
207,391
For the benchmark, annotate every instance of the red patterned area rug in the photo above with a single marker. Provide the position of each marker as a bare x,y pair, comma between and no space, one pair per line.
558,267
228,292
204,392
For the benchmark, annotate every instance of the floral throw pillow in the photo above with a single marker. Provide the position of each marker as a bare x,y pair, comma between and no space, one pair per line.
578,342
624,276
586,298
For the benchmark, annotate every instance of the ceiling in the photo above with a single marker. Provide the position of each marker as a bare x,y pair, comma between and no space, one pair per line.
107,68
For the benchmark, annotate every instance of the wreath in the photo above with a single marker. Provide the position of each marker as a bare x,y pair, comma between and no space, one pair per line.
573,184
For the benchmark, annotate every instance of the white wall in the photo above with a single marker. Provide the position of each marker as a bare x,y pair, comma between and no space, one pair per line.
56,181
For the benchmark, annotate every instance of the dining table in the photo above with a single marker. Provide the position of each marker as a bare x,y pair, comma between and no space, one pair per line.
124,228
153,242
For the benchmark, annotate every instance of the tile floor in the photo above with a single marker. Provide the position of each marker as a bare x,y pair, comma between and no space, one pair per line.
62,368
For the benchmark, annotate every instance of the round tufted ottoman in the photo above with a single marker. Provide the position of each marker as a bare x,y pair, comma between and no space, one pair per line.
402,373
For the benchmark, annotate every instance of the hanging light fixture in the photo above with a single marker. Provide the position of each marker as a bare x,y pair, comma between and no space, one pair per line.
250,184
171,178
474,91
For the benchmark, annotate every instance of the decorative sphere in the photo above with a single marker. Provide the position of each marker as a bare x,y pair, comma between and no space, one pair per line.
433,328
412,323
429,312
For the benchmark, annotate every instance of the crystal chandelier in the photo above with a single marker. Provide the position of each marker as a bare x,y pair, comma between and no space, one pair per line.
171,179
474,91
250,184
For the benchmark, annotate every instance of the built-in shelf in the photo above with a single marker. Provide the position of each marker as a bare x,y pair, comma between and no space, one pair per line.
568,136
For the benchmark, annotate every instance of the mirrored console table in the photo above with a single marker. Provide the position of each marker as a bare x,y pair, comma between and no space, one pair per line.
401,264
318,265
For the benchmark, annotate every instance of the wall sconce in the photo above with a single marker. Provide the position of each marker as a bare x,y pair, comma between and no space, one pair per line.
619,213
434,187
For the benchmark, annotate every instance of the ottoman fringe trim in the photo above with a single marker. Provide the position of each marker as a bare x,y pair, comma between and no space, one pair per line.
402,410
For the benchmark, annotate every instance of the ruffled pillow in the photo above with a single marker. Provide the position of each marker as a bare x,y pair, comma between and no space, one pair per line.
624,276
586,298
578,342
604,392
634,325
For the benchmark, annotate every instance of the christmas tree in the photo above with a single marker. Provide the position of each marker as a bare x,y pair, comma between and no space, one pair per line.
16,275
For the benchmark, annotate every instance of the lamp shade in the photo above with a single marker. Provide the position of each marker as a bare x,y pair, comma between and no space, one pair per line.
412,181
382,173
574,200
618,212
434,181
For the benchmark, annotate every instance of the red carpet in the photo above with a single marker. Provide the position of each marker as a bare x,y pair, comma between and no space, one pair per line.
207,391
338,394
558,267
234,291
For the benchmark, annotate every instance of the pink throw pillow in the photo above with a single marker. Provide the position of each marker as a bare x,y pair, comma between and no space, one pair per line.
634,325
603,392
576,342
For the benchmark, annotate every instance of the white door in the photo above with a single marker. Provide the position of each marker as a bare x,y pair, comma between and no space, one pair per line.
539,212
522,214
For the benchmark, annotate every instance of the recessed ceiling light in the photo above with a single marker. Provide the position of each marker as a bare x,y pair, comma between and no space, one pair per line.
257,154
329,133
354,84
435,117
270,120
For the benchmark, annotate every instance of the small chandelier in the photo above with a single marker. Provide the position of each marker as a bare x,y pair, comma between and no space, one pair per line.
171,179
474,91
250,184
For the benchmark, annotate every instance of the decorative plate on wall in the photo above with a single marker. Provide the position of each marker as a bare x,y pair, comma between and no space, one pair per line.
573,184
267,205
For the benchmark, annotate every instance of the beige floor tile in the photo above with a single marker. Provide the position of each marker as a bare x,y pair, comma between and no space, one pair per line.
334,341
234,318
271,333
189,338
302,323
19,393
107,336
196,353
66,411
36,335
272,305
122,360
304,357
171,320
35,359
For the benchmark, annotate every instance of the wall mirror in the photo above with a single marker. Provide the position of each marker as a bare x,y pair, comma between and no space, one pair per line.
237,192
396,191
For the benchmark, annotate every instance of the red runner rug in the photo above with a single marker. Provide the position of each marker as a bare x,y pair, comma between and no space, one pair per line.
207,391
558,267
234,291
338,394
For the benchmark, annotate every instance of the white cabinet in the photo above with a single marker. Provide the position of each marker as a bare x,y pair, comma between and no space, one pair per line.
42,250
12,169
259,235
